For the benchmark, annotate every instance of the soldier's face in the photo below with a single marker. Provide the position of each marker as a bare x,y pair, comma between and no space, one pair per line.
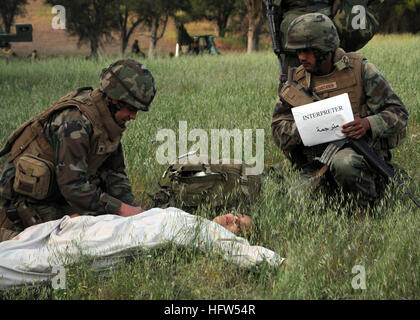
126,113
307,59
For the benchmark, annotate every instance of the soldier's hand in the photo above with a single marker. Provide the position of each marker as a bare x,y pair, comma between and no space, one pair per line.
357,128
128,211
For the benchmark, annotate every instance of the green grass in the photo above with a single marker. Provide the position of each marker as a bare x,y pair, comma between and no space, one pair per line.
320,243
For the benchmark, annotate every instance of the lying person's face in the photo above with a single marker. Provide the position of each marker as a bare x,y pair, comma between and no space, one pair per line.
234,223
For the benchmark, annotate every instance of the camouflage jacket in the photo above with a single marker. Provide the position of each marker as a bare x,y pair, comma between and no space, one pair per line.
89,171
69,133
386,113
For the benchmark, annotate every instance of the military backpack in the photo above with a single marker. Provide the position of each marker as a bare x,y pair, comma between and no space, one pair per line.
356,21
222,185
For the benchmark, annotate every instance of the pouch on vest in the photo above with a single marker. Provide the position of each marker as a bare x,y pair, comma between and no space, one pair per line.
215,185
34,177
6,181
292,94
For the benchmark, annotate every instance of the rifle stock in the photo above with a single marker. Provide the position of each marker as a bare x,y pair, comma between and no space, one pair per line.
362,148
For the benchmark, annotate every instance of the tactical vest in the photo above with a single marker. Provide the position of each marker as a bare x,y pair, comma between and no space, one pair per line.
346,78
29,140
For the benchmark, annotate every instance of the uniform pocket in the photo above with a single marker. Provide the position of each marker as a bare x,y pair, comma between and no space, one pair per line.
34,177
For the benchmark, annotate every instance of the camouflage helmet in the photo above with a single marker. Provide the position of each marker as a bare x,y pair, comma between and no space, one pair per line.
129,81
312,30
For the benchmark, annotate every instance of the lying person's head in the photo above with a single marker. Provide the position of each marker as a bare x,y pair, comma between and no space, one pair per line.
235,223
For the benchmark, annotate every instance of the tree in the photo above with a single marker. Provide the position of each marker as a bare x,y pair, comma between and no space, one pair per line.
92,21
128,19
9,9
213,10
155,14
398,16
255,17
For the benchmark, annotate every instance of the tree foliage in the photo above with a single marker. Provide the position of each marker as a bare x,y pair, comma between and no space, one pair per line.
92,21
9,9
155,15
399,16
213,10
129,17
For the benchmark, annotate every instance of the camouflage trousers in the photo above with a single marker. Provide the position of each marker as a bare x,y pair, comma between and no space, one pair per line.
349,172
22,213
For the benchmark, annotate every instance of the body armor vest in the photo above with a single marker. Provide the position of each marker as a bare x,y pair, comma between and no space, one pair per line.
29,139
346,78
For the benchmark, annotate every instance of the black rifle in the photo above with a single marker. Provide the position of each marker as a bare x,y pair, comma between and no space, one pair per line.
273,16
362,148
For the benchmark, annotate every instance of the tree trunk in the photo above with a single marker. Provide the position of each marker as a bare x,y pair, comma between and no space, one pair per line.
253,39
8,23
153,37
94,46
221,26
254,16
123,25
250,43
123,44
152,48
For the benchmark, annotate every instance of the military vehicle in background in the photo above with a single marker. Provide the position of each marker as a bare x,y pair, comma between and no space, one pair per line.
23,34
197,44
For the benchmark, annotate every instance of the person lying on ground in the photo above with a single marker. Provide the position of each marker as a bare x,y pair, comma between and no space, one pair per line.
30,256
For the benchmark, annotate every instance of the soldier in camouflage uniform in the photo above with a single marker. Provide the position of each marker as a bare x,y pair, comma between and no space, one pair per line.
326,71
69,159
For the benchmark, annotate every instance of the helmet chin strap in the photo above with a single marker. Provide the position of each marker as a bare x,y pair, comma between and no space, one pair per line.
320,57
113,108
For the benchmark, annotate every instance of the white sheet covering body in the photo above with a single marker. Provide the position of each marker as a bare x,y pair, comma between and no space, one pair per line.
30,256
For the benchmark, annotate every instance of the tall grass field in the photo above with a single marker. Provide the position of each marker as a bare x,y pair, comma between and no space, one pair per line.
321,243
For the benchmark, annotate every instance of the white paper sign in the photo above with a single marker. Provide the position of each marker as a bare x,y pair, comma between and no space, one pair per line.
321,121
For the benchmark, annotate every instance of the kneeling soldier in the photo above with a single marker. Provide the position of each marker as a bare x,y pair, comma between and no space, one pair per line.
69,159
327,71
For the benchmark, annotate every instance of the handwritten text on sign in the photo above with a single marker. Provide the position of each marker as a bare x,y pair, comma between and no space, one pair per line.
321,121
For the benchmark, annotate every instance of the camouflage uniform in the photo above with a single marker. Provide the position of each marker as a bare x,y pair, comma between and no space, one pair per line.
81,138
370,95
